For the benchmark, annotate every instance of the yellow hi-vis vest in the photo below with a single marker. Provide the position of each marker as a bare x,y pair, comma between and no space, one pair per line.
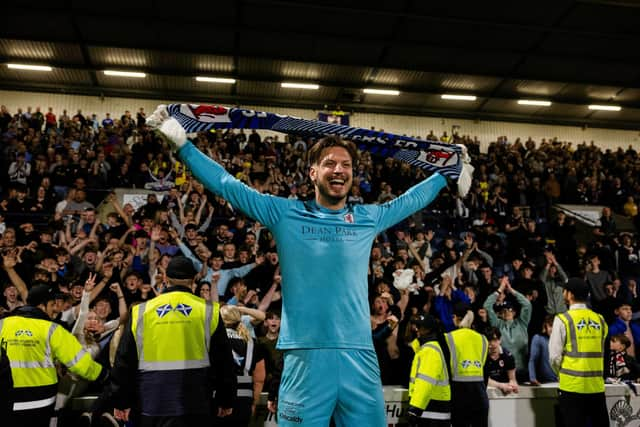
173,331
429,378
468,354
583,359
32,347
415,346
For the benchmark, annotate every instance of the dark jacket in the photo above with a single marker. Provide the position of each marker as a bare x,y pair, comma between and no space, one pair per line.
171,393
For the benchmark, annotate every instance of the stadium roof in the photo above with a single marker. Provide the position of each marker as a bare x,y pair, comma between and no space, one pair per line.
570,53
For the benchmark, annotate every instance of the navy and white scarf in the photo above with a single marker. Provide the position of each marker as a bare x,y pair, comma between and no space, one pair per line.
447,159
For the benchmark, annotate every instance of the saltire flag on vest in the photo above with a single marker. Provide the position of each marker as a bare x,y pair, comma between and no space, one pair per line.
449,160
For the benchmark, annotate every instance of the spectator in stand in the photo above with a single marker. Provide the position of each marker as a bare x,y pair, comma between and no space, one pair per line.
624,325
513,327
596,279
553,278
19,170
540,370
500,366
448,296
622,366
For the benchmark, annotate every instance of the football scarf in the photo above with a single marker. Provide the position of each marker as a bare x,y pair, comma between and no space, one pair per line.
449,160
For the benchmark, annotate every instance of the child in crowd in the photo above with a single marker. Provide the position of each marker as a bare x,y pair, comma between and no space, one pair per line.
621,366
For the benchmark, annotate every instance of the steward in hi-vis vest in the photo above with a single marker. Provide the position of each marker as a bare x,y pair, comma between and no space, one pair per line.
33,344
469,351
173,353
576,353
429,390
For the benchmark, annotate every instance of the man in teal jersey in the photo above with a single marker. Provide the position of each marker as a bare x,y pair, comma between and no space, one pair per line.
330,367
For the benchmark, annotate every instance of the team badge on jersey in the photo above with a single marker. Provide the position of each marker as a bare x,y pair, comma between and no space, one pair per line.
349,218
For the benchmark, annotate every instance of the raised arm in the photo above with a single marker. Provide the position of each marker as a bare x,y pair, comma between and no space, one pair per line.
417,197
116,204
9,262
203,203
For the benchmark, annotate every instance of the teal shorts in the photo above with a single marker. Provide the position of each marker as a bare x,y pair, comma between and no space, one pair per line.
318,384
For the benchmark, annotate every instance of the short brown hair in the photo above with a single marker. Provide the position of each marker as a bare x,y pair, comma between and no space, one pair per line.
315,151
622,339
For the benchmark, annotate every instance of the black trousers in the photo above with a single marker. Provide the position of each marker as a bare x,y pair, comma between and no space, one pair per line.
469,418
423,422
577,409
182,421
33,418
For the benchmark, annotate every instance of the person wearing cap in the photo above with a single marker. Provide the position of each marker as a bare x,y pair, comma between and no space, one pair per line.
172,347
576,353
34,343
513,326
429,390
469,354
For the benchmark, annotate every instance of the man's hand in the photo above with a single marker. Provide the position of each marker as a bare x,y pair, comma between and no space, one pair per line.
272,406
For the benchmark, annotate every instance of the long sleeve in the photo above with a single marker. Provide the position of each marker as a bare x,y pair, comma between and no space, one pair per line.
488,305
562,274
78,326
525,311
176,224
556,344
121,390
223,367
415,198
197,264
67,350
264,208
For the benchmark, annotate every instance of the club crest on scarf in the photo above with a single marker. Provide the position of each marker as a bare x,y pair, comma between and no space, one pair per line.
206,113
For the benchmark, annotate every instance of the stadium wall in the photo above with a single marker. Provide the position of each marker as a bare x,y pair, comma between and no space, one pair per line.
486,131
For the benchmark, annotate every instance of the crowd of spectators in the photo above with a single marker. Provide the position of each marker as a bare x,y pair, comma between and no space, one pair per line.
502,249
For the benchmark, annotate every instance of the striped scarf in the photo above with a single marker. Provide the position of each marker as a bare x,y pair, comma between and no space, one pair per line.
449,160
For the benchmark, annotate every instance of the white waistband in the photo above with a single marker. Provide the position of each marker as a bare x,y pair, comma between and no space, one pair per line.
436,415
34,404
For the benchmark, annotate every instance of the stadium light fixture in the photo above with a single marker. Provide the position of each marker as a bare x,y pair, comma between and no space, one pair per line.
453,97
124,74
605,107
215,80
387,92
307,86
535,102
30,67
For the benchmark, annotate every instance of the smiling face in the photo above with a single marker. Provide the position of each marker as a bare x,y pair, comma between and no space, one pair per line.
332,177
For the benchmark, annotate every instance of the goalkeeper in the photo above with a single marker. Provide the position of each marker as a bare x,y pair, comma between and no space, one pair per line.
330,367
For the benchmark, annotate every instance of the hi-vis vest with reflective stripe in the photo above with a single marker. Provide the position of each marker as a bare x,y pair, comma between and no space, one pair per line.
468,354
32,347
429,376
582,362
173,331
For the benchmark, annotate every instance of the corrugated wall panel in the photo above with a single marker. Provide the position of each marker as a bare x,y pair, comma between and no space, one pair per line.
486,131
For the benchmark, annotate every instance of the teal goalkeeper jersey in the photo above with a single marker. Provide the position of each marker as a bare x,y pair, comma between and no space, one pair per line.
324,254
